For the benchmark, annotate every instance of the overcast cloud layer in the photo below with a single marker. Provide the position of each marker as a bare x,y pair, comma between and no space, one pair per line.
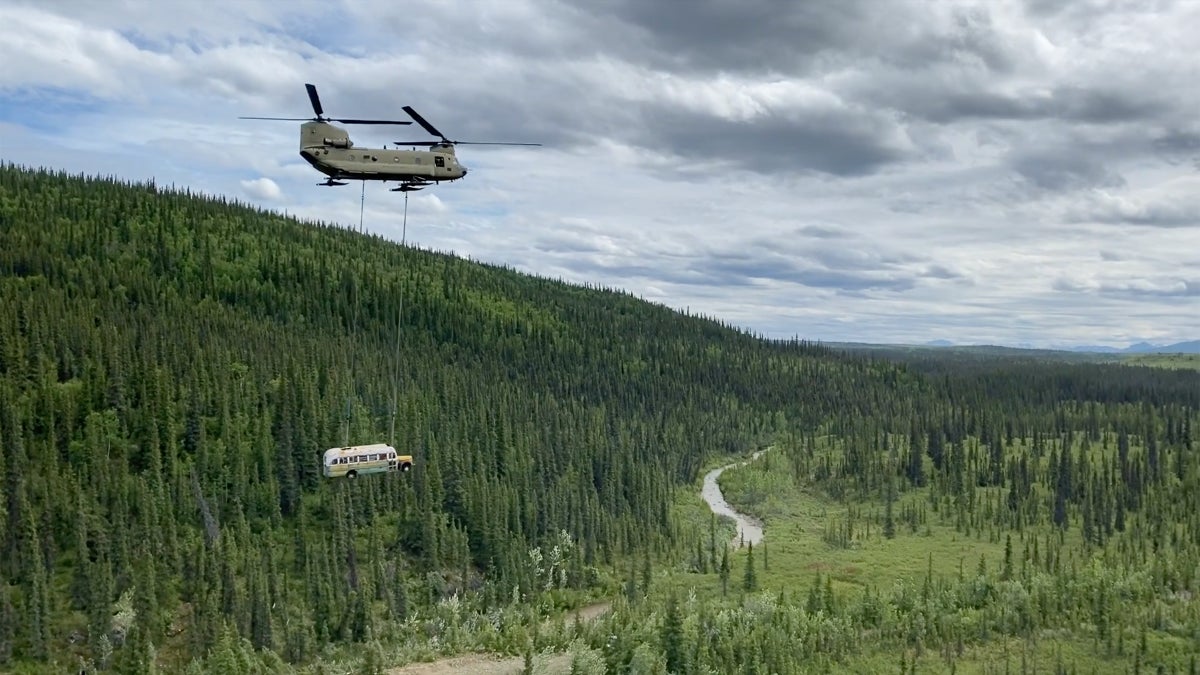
1005,172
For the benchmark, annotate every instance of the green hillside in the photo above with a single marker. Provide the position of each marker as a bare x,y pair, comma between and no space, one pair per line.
172,367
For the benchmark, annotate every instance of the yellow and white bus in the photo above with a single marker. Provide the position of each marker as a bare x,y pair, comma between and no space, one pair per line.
356,460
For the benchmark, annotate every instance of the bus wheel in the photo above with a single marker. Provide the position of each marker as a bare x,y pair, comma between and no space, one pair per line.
405,466
352,474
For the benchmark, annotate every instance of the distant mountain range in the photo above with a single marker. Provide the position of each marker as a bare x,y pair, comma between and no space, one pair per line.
1190,347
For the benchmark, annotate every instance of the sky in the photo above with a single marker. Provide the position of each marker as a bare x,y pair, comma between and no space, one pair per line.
1011,172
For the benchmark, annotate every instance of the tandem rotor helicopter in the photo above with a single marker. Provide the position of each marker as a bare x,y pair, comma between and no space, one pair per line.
328,149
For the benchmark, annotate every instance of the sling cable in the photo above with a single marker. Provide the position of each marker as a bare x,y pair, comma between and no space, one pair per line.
352,461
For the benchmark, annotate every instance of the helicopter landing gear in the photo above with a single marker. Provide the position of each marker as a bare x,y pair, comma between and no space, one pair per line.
329,182
410,187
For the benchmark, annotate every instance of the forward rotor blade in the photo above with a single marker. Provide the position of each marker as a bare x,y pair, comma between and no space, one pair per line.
287,119
421,120
490,143
459,143
314,99
372,121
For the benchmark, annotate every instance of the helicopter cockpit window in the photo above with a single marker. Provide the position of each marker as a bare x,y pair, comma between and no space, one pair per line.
439,161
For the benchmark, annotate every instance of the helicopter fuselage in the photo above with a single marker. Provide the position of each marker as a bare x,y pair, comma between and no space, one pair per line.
328,149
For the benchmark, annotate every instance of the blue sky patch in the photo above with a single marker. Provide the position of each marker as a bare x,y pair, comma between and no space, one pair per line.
47,108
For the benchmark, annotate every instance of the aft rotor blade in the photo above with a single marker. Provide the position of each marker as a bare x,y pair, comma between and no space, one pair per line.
421,120
314,99
372,121
429,143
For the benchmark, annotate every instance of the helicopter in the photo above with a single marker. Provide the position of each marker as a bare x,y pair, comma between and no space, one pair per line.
328,149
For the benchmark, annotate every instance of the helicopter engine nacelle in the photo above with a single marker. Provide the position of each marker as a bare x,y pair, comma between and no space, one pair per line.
338,142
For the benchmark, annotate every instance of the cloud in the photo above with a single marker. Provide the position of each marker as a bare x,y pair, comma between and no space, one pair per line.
1175,203
429,203
822,232
1059,171
831,138
262,188
1155,287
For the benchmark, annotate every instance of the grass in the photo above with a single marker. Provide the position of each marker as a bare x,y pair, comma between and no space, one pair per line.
796,520
809,533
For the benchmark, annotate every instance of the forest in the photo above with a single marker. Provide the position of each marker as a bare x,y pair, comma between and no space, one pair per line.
173,365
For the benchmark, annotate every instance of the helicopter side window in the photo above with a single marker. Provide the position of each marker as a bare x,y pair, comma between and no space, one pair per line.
439,161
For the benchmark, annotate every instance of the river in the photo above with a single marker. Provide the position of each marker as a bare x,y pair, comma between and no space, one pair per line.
749,529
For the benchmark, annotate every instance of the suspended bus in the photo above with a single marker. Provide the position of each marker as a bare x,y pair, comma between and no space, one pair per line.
351,461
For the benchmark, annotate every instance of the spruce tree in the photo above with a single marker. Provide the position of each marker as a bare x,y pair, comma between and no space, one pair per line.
646,574
750,579
725,571
8,624
672,636
889,522
1007,571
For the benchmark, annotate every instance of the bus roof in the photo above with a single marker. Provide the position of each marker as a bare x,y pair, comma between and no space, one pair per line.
351,449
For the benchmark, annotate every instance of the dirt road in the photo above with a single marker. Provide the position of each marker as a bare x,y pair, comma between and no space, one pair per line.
485,664
495,664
